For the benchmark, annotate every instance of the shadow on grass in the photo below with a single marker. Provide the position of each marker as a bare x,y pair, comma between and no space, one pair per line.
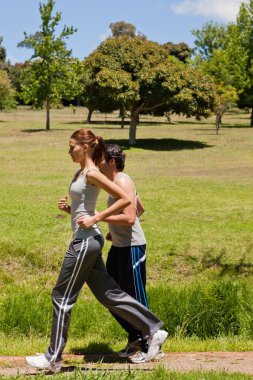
228,126
160,144
242,267
47,131
93,349
146,144
90,353
117,123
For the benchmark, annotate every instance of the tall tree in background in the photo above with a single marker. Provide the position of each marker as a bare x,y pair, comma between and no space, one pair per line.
239,48
51,74
209,38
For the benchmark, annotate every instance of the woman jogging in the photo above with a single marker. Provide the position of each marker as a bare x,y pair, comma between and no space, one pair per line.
83,261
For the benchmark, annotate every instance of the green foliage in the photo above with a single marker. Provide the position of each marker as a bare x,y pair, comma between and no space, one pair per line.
2,54
181,51
227,53
7,93
122,28
139,74
52,75
210,38
240,51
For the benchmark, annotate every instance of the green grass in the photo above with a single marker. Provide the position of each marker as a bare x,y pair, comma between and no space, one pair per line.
158,374
197,190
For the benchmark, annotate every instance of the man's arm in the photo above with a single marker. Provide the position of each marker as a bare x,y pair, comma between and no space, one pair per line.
126,217
140,206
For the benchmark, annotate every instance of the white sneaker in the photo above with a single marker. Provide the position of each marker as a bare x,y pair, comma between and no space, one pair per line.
130,349
140,357
154,343
41,362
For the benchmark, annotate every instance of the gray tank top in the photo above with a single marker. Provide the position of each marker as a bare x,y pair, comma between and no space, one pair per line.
83,202
123,236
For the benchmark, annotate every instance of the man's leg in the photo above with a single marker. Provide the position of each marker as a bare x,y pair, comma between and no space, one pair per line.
127,265
119,303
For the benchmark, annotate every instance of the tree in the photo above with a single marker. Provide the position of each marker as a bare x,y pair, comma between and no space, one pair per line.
181,50
122,28
211,37
2,54
226,98
7,93
239,48
94,97
15,74
139,74
51,74
219,68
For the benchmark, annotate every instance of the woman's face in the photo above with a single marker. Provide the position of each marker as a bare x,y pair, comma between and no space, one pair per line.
76,151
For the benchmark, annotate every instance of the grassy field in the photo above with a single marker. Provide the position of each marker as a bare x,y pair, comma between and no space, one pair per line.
159,374
197,190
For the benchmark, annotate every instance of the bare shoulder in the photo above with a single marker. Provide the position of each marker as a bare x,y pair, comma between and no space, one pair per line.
124,182
94,175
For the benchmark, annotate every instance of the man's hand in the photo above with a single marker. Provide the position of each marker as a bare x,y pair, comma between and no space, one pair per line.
108,236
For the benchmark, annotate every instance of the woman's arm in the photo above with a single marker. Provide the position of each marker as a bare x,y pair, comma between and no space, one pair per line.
96,178
63,206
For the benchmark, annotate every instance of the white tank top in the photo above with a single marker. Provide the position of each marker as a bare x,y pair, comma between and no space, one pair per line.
123,236
83,203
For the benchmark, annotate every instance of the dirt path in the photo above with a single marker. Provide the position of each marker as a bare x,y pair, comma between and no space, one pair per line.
205,361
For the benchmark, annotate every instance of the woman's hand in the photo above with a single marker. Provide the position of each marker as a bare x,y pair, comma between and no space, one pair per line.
86,221
63,206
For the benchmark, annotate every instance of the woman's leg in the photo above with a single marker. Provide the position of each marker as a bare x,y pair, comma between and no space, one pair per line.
78,263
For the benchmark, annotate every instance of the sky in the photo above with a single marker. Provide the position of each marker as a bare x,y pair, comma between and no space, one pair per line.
159,20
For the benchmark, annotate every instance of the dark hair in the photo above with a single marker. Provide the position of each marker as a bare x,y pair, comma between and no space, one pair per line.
96,143
115,151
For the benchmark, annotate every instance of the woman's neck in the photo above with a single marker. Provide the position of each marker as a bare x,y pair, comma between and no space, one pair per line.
87,164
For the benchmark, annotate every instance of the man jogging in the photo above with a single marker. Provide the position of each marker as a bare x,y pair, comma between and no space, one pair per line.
126,261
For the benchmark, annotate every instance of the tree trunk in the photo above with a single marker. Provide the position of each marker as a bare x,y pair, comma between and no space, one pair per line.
122,115
122,121
88,120
217,122
132,129
251,118
48,116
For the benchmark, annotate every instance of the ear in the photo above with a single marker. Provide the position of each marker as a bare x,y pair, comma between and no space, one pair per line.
85,147
112,161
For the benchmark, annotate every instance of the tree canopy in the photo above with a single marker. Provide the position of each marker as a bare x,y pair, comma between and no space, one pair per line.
51,74
140,75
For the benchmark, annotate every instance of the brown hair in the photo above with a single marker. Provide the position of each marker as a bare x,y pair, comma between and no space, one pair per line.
96,143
